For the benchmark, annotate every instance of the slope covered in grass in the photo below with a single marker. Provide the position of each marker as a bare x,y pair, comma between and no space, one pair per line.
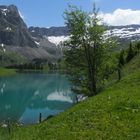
133,65
114,114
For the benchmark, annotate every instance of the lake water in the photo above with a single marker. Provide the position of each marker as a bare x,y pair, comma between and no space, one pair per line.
24,96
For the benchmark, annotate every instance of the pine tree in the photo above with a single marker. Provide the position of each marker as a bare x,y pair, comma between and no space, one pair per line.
138,46
121,58
121,63
130,54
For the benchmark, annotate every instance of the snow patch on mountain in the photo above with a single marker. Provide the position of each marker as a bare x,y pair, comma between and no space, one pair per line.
4,11
37,43
33,31
57,39
21,15
8,29
123,32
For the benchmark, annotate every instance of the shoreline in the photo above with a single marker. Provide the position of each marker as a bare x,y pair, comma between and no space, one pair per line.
7,72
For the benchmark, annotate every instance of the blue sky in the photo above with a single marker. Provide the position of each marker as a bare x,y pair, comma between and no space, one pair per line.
46,13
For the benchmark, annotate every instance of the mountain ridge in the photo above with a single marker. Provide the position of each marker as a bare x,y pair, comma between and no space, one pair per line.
13,30
124,33
17,40
45,43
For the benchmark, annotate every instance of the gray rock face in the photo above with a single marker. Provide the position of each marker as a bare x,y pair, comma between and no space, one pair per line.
52,31
33,43
13,30
127,33
17,39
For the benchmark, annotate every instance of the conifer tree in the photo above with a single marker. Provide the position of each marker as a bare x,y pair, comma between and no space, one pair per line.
130,54
121,58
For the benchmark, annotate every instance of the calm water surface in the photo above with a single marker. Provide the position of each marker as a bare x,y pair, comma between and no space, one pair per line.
24,96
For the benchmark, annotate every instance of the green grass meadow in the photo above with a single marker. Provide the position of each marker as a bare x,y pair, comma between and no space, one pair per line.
114,114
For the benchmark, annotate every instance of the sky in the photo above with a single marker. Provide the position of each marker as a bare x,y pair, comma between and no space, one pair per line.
47,13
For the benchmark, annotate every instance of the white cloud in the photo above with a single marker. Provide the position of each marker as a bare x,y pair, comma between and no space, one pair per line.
121,17
21,15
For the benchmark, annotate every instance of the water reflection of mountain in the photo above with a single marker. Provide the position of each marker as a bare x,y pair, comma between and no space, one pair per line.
34,91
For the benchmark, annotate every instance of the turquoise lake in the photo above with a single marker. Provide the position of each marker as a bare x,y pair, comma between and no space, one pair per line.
24,96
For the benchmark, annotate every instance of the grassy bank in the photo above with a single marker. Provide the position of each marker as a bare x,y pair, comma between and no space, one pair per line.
6,72
114,114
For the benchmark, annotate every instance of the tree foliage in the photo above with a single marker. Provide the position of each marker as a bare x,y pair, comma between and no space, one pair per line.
87,50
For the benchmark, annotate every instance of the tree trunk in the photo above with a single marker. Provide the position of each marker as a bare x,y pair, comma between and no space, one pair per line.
119,74
91,72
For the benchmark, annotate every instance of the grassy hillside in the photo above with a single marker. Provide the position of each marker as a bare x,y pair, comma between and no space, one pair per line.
133,65
114,114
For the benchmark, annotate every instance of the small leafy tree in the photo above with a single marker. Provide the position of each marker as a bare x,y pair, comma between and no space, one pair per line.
87,50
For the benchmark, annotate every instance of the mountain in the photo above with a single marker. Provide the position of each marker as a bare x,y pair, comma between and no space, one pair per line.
53,34
123,34
129,32
16,40
13,30
52,31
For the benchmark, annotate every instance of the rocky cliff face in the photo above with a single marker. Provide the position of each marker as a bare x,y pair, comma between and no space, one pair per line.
123,34
43,43
52,31
15,38
13,30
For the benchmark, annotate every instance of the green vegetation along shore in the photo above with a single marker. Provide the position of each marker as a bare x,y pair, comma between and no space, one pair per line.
6,72
114,114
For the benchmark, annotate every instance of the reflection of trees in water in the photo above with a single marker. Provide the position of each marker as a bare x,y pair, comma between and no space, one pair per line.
22,91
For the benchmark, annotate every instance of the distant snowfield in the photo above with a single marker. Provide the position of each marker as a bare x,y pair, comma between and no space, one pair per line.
57,39
123,33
